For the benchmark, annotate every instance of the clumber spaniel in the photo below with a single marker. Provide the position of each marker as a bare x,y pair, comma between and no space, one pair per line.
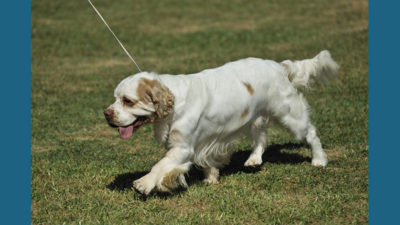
198,116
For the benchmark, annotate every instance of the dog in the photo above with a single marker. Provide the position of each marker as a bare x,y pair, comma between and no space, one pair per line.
198,116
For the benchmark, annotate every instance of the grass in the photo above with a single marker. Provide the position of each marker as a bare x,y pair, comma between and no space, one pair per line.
82,171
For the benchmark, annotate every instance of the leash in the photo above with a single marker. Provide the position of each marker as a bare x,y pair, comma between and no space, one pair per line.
115,36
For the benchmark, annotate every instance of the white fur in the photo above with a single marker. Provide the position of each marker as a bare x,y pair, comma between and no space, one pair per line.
210,112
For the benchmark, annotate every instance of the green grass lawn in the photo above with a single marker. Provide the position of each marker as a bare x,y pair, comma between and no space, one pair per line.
82,172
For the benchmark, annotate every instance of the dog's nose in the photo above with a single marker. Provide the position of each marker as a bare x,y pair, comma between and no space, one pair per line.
108,114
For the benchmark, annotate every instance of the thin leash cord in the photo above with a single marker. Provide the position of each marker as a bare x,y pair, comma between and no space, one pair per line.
98,13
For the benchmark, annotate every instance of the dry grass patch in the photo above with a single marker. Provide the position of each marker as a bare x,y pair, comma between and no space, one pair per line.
99,131
41,148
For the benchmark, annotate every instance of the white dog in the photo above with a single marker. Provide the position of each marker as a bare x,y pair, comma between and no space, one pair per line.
197,116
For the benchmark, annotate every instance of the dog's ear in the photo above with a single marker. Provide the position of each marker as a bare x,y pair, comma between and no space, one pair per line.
152,91
162,99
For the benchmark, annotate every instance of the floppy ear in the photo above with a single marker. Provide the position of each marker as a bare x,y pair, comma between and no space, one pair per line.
161,97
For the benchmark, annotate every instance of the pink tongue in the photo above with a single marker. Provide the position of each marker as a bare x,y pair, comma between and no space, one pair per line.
125,132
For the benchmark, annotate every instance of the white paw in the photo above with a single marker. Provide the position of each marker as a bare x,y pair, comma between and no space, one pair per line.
211,180
144,185
319,162
253,161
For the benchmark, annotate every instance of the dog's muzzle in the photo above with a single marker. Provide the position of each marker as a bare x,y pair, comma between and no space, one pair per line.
109,115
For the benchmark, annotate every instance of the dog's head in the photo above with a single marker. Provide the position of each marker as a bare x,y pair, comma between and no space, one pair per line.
139,100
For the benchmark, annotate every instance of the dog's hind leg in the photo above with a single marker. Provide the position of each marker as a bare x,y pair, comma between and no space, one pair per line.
259,136
319,157
309,133
296,118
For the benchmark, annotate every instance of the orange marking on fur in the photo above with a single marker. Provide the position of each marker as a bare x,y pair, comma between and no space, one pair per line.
151,91
288,73
245,113
249,87
175,136
169,181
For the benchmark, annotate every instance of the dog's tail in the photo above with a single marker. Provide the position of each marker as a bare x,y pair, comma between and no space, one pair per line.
321,68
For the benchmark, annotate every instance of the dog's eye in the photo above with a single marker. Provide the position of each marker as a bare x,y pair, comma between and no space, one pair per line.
127,101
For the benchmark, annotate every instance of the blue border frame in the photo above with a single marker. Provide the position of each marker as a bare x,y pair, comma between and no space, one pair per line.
15,17
384,112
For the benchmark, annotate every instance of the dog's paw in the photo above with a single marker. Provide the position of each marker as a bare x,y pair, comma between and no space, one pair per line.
253,161
211,175
144,185
319,162
211,180
172,180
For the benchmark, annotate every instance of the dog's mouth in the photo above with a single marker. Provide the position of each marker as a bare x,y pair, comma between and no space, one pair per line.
127,131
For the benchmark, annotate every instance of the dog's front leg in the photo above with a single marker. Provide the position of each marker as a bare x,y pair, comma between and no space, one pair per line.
168,173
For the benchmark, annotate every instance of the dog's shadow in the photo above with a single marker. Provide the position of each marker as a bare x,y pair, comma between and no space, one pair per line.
273,154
